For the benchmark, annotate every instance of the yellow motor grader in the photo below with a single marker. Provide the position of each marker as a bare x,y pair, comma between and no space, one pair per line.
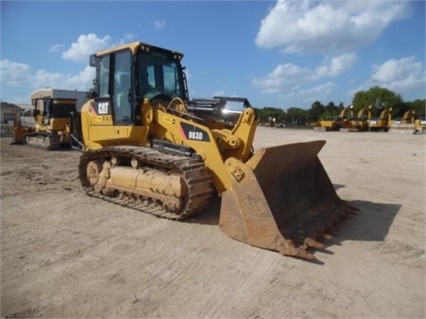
148,147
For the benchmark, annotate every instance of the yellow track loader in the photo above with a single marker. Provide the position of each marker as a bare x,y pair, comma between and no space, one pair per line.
49,128
148,147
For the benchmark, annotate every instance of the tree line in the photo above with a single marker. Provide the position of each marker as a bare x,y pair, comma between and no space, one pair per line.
379,98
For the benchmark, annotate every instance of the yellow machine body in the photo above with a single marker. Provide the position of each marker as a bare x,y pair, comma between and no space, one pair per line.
406,124
382,122
359,123
49,127
166,157
420,125
342,121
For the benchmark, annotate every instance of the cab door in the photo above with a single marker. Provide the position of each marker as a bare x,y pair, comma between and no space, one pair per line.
114,113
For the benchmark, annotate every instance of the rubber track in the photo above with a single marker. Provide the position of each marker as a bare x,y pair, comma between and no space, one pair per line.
198,179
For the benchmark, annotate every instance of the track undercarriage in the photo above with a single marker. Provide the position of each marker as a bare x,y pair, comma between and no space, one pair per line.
164,185
45,140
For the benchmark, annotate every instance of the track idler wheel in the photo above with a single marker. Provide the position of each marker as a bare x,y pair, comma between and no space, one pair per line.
97,174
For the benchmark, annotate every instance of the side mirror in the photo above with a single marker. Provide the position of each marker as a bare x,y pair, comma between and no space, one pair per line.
92,94
94,61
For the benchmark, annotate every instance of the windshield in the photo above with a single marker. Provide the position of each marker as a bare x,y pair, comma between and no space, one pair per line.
159,74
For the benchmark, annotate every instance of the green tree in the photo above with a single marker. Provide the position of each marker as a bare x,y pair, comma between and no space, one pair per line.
378,97
317,111
296,115
271,112
331,111
417,105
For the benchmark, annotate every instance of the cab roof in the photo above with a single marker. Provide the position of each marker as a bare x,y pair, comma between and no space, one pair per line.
136,46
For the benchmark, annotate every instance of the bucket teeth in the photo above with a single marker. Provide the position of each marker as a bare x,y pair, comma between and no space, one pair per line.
302,253
327,237
289,249
309,242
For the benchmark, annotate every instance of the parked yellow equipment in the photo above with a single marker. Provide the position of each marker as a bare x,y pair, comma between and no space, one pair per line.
382,122
358,123
420,125
326,125
406,124
334,124
146,146
51,114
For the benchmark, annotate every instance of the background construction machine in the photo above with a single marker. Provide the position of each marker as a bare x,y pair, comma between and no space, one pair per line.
420,125
404,124
358,123
49,125
326,125
382,122
146,146
334,124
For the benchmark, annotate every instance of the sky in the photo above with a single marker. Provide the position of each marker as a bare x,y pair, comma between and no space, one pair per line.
284,53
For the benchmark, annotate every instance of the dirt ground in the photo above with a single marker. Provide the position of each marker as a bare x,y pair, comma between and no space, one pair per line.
64,254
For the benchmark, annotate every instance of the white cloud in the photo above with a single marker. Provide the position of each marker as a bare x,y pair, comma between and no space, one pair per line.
43,79
319,91
402,74
336,65
405,76
22,76
219,93
283,78
290,77
85,46
81,81
15,74
304,84
127,38
56,48
306,95
312,26
130,37
160,24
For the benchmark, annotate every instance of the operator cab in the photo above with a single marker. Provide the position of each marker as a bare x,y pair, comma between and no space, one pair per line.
46,109
128,74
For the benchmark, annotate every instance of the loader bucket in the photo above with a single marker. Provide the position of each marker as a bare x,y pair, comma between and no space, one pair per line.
281,199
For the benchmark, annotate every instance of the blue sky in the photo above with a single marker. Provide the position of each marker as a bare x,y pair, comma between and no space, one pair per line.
285,53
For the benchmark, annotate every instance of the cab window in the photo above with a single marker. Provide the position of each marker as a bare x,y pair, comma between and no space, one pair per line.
104,65
122,88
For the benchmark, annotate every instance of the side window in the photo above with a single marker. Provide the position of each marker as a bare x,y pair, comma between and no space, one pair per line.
150,76
171,83
39,106
104,77
122,88
48,108
47,111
